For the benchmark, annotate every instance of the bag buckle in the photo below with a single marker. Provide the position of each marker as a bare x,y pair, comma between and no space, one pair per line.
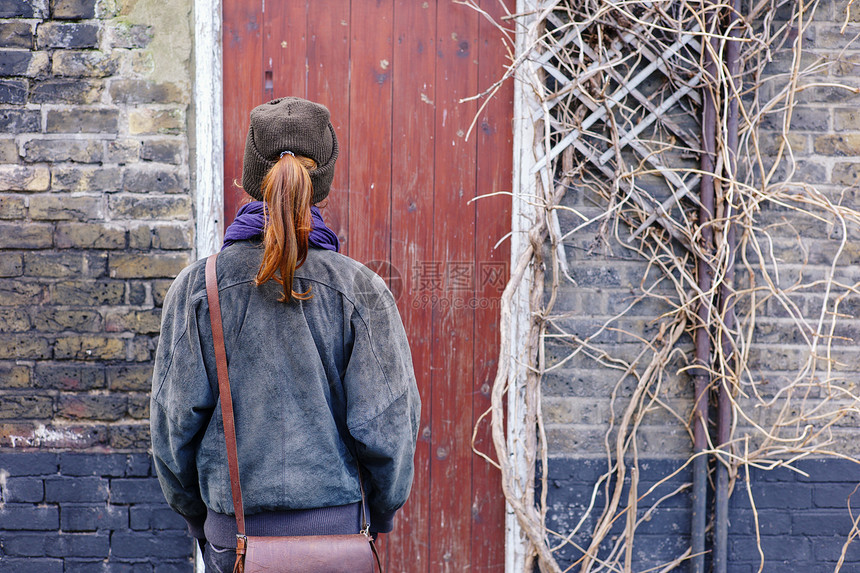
241,543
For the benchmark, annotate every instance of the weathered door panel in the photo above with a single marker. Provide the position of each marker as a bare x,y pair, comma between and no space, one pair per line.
393,72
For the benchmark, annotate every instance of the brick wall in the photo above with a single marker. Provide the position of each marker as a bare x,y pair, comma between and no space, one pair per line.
825,133
95,214
85,513
804,520
95,220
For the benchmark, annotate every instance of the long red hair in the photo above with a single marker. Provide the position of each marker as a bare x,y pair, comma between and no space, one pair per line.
287,191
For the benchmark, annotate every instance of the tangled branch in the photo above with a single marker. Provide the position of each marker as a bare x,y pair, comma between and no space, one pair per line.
619,87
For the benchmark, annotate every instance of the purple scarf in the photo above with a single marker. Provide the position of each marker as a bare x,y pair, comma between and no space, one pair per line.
250,222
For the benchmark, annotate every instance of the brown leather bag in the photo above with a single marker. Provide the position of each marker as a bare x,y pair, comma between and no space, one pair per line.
353,553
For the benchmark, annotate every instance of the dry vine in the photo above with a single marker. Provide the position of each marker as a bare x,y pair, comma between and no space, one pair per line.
631,145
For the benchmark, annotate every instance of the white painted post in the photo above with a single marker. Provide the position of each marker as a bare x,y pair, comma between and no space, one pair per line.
209,131
523,218
209,142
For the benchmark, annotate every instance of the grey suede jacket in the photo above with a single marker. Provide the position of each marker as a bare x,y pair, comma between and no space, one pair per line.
315,383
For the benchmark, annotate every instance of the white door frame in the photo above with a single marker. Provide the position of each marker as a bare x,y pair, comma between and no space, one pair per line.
209,128
525,194
208,142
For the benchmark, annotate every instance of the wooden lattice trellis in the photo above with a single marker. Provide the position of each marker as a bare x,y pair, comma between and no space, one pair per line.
633,105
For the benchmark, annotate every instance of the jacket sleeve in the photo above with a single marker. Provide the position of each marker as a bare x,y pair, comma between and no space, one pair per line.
383,405
181,406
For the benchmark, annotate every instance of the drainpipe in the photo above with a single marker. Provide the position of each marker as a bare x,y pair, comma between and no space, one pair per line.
724,406
702,336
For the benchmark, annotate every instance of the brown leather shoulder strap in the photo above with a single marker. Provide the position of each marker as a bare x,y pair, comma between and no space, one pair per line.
224,390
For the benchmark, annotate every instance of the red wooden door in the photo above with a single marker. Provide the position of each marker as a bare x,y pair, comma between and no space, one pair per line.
392,73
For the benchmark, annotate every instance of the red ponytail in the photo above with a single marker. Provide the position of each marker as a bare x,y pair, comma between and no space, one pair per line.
287,191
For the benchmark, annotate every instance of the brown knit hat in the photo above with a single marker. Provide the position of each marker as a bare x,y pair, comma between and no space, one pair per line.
289,124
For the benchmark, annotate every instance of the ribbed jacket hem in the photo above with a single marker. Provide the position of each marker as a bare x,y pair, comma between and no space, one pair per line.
220,529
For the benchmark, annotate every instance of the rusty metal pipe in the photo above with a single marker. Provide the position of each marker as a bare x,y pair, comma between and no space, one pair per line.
702,335
727,302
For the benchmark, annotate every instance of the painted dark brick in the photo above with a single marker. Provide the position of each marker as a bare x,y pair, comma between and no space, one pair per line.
824,523
149,517
784,495
33,464
829,549
171,567
93,517
139,465
795,535
742,522
801,548
825,470
81,464
76,489
53,544
836,495
83,565
29,517
669,522
81,545
38,565
24,490
135,491
140,545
